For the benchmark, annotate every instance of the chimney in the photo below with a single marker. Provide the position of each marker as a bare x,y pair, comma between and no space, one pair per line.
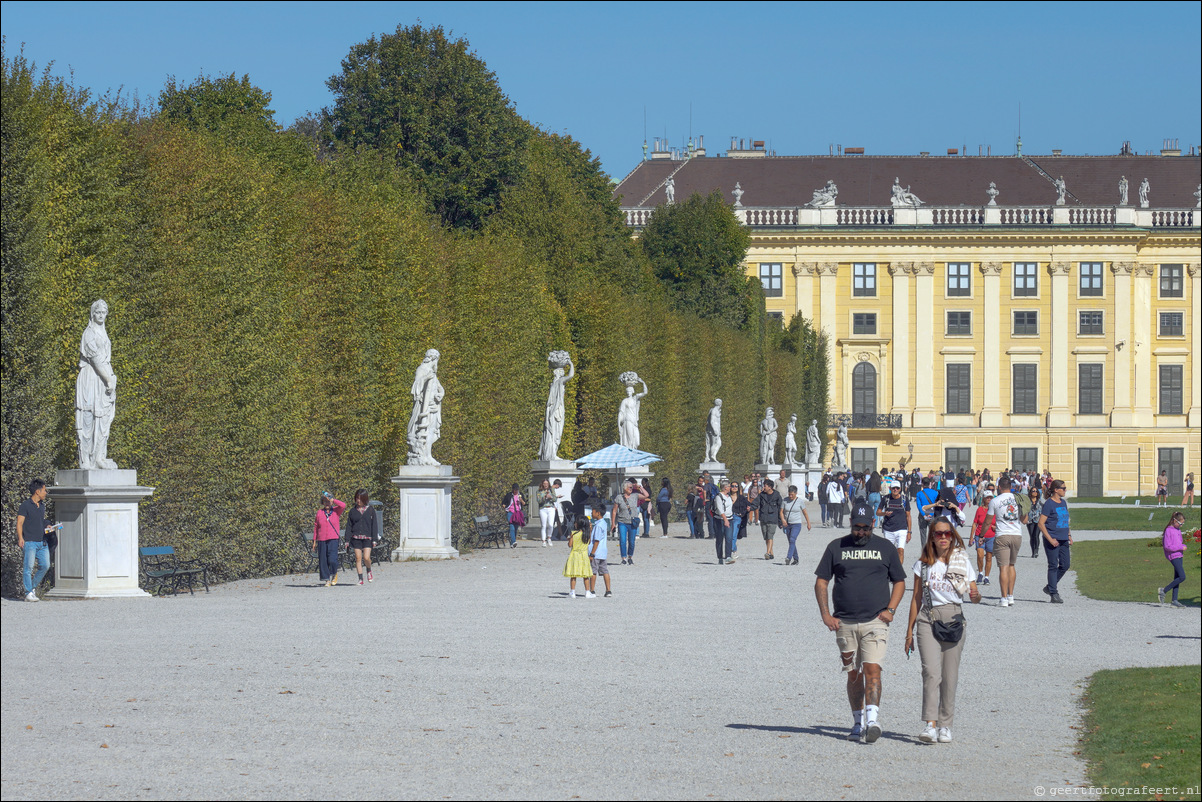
1056,151
953,151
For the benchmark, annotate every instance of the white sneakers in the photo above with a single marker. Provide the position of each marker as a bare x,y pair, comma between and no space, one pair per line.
588,594
945,735
572,595
929,735
31,597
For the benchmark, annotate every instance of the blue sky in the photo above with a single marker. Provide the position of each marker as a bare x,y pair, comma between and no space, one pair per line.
893,78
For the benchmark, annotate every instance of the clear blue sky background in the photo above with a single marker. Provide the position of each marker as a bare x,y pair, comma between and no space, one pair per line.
894,78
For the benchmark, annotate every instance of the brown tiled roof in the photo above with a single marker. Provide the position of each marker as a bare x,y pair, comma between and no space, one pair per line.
938,180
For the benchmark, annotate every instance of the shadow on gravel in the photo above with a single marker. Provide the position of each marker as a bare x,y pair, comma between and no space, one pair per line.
838,733
1179,637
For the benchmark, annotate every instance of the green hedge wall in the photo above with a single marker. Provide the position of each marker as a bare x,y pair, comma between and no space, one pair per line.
267,318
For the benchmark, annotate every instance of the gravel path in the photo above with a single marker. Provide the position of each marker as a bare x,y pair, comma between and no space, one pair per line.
478,678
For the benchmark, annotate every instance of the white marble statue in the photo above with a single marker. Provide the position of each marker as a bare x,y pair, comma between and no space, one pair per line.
904,197
425,423
1061,189
670,190
841,442
628,411
548,449
1122,190
813,443
738,193
825,197
713,431
768,428
95,392
1198,197
791,441
992,192
1144,188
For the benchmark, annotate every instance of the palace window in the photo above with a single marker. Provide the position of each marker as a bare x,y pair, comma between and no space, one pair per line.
1089,323
1170,389
863,278
959,323
1026,322
770,278
1171,281
959,279
863,323
959,389
1025,389
1172,324
1091,278
1089,389
1026,279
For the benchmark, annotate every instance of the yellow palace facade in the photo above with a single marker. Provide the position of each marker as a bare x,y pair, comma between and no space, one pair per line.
1028,312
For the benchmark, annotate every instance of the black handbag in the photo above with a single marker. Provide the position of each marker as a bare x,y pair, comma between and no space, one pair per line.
944,631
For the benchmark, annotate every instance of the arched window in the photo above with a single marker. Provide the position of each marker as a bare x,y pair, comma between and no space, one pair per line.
863,389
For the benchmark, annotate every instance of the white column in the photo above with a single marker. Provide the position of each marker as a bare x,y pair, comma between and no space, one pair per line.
991,413
1122,414
828,276
1059,412
900,402
1141,298
924,343
1191,294
803,275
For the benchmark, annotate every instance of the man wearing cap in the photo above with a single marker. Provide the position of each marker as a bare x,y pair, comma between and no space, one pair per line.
894,512
869,585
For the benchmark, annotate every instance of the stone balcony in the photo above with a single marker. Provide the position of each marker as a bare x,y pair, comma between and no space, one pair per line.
763,217
865,421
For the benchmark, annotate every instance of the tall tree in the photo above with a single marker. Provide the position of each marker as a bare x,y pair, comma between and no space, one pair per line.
697,249
429,100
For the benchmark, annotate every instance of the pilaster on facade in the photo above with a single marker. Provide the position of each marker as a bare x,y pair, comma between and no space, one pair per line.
1194,419
1059,413
803,279
992,413
1141,354
900,273
1123,414
828,274
924,342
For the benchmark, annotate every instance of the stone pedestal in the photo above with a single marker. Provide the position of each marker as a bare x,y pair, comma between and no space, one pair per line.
769,471
717,469
97,554
563,470
814,477
425,501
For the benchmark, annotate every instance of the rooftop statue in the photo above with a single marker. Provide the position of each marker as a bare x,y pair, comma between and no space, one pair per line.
1122,190
1060,190
1144,188
825,197
904,197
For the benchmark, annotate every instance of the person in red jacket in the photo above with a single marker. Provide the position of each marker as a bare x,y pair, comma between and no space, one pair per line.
982,538
325,537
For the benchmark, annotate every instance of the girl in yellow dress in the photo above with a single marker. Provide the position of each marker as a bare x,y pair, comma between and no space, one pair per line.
578,565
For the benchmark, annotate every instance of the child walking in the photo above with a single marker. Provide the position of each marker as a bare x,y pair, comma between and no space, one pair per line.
577,566
1174,551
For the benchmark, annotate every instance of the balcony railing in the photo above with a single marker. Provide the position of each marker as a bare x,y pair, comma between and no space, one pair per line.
950,216
861,420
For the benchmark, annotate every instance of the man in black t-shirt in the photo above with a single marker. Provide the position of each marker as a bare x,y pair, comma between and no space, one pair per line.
31,538
869,585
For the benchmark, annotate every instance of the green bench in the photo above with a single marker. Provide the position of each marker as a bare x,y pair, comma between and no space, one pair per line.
165,571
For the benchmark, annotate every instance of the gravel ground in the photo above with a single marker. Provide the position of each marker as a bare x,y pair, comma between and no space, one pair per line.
479,678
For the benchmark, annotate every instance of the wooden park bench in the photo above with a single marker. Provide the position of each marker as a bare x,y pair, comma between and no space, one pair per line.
166,571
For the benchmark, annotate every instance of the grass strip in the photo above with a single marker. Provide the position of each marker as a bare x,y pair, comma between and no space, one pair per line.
1142,730
1130,519
1131,570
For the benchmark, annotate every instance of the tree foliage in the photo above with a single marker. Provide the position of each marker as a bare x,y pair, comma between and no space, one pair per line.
696,249
433,103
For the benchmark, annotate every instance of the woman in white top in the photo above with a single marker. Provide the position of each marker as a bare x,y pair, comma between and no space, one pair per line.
943,575
547,502
792,513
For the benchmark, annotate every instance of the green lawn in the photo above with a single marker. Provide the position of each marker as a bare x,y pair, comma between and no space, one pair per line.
1130,570
1130,519
1142,728
1146,501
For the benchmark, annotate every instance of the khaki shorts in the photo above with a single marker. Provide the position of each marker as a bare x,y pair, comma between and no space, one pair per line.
866,641
1006,549
768,531
600,567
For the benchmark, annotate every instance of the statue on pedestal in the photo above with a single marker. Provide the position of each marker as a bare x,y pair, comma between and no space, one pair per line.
825,197
813,443
1122,190
548,449
1061,189
1144,188
791,441
768,428
425,422
628,411
904,197
670,190
738,193
992,192
95,392
713,431
841,442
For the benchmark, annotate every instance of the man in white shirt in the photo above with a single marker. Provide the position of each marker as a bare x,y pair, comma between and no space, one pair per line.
835,496
1009,523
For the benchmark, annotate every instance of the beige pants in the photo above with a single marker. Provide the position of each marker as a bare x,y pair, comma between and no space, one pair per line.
940,666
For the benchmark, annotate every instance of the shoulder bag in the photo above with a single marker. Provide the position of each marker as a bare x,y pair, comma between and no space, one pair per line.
944,631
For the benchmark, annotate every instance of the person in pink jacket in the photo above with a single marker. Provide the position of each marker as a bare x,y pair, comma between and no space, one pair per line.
1174,552
325,537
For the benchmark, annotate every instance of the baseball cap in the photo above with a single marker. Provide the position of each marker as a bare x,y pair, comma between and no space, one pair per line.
861,515
989,494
